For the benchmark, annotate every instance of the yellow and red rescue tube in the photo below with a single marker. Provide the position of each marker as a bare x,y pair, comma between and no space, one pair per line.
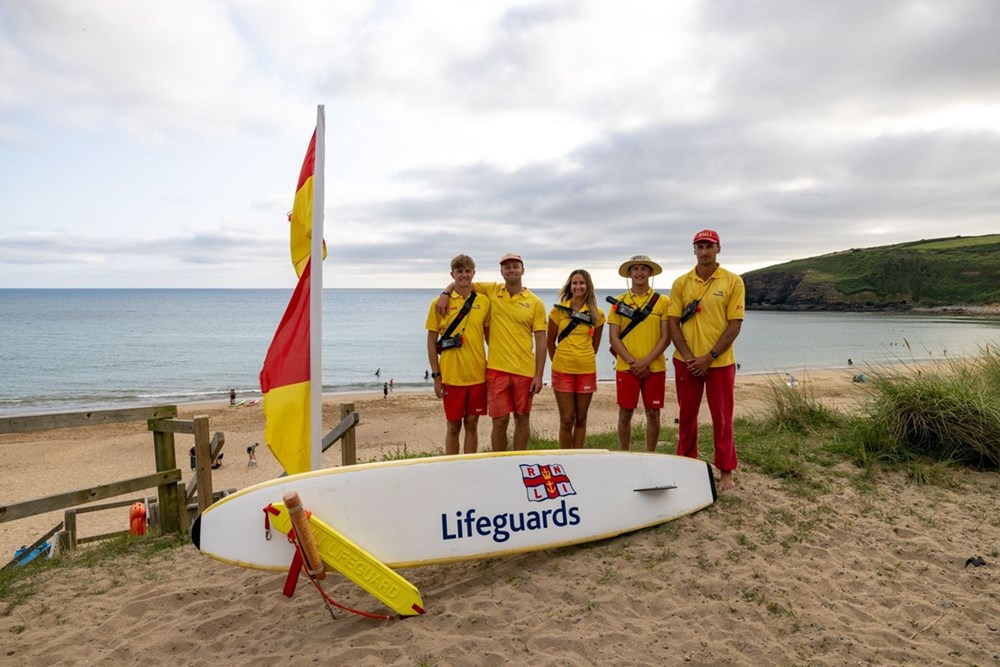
349,559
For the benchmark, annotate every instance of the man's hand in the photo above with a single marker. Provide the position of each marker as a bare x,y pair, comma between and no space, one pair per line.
442,304
536,385
699,365
639,367
438,387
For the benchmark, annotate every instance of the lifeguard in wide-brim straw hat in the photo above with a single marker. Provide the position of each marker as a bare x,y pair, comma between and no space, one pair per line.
655,269
637,328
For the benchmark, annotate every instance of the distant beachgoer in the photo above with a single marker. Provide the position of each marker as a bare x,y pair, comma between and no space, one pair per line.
194,460
385,390
390,384
378,372
252,455
427,375
232,397
218,461
705,316
850,362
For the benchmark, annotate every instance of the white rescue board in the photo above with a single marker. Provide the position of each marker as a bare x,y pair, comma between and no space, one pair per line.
448,508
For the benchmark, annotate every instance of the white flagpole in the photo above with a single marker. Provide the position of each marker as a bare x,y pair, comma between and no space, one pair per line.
316,299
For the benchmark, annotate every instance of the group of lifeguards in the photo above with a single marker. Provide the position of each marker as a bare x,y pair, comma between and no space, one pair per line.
702,317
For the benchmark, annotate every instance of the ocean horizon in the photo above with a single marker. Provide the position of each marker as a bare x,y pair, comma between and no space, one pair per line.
72,349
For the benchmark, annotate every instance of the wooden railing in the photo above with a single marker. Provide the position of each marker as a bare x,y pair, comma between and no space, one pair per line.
166,479
173,497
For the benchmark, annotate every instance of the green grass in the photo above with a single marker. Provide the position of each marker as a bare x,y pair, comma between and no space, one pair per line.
797,410
946,417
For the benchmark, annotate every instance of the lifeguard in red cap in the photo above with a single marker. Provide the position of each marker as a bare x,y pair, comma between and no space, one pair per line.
705,317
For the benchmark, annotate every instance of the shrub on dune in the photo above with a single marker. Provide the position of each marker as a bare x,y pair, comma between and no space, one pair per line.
951,414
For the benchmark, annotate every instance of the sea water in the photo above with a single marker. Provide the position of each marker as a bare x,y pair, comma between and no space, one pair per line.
68,349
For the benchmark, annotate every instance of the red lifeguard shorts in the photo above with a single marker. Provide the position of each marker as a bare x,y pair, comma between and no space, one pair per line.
507,393
574,383
630,385
461,401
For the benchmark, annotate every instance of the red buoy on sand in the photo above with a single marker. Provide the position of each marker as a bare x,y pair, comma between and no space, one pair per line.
137,519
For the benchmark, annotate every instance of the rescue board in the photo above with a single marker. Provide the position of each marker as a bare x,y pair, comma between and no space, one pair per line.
449,508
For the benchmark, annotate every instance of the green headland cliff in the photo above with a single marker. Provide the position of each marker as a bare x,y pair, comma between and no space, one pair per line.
957,272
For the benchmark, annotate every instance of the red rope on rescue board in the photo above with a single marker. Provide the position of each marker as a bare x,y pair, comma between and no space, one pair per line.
331,601
298,547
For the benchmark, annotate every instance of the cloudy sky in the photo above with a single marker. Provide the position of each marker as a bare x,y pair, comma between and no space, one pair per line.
158,144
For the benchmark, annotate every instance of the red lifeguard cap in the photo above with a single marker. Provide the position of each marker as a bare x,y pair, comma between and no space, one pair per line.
707,235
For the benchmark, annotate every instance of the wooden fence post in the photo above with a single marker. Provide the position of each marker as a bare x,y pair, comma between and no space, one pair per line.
203,454
348,451
182,512
69,530
163,446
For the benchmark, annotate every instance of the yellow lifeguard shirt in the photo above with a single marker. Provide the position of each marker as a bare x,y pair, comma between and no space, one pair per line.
466,365
643,338
575,354
722,299
513,322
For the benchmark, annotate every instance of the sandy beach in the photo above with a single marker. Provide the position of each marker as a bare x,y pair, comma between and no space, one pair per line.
852,571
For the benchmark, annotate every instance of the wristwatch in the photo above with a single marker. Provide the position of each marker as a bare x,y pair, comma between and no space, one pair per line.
713,354
435,375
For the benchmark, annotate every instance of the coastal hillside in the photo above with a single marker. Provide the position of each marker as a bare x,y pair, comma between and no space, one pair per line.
956,271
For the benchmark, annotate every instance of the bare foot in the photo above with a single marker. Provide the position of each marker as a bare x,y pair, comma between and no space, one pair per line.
726,481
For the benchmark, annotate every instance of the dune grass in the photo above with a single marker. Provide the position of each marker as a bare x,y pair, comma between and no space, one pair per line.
950,415
922,422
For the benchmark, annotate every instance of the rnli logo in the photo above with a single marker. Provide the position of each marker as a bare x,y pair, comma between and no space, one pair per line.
544,482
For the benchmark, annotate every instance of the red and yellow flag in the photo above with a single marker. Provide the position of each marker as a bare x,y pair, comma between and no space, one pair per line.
284,381
302,212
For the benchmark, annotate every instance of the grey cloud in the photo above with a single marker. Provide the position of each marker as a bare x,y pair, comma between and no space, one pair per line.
657,185
854,57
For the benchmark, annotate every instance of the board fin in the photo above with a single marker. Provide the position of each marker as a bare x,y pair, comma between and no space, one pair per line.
368,572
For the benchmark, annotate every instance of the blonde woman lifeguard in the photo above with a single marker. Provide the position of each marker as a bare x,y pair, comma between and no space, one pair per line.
574,334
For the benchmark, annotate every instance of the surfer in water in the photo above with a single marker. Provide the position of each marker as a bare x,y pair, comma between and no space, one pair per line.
574,335
705,318
456,352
